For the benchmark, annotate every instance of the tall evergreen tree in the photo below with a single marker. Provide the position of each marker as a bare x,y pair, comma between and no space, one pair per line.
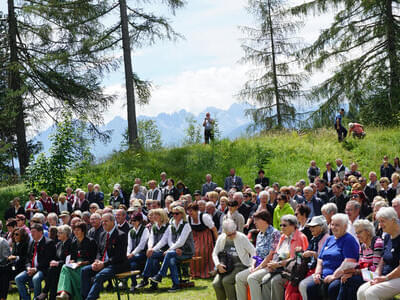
55,63
138,27
273,85
363,44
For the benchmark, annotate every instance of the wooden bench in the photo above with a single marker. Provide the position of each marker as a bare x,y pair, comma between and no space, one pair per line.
118,278
184,279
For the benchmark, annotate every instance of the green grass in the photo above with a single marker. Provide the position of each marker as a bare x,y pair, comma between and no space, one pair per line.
203,290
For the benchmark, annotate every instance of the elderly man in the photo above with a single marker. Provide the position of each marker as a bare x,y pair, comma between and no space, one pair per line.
340,169
313,202
120,216
209,186
81,203
328,210
96,229
233,181
353,212
323,192
373,187
41,251
396,205
136,193
154,192
111,259
163,180
339,197
217,215
353,171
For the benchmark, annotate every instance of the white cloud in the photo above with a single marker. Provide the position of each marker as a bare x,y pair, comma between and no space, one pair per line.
192,91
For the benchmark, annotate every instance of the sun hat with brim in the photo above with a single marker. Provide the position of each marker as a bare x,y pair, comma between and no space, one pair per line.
317,221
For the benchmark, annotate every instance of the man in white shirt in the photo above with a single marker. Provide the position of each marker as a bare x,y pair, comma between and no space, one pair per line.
353,212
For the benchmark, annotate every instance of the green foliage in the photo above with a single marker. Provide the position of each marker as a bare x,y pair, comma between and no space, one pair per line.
9,193
193,132
273,85
149,135
69,150
361,46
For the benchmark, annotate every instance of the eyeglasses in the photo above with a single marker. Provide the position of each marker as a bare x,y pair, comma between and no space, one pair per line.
92,207
359,232
230,234
283,225
176,213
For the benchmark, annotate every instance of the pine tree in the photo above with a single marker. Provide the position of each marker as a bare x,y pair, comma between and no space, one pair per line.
273,85
363,44
55,63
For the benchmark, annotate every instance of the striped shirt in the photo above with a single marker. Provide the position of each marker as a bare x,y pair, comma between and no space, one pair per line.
370,257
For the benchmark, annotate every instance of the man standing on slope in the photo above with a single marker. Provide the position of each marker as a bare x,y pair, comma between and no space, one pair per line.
208,125
341,131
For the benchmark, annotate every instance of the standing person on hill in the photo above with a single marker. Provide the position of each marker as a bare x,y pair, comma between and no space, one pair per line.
208,125
329,174
233,181
341,131
209,186
313,171
386,168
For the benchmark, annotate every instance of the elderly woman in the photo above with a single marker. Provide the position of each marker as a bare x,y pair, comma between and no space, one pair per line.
204,235
5,268
328,210
63,249
83,252
291,240
319,231
238,246
339,251
155,246
267,240
283,208
370,257
387,284
223,204
385,191
138,237
180,247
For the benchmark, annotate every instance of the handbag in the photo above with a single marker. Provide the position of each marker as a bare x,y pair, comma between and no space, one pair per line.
226,259
296,269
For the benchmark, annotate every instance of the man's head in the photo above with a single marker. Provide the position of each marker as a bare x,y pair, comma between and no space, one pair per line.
90,187
207,115
238,196
353,209
95,220
152,184
328,210
163,176
313,163
261,173
208,177
120,216
320,183
339,162
396,205
108,221
308,193
328,166
232,172
36,232
341,111
372,177
136,188
336,189
43,194
210,208
353,167
81,195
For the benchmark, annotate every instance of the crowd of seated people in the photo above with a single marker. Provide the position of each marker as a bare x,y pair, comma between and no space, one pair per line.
341,231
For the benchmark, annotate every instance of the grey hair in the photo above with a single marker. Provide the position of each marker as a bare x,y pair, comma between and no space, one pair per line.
308,188
39,216
239,194
355,204
383,203
201,201
291,219
210,204
397,200
329,208
65,229
110,216
388,213
343,218
264,194
229,226
96,215
52,215
366,225
95,204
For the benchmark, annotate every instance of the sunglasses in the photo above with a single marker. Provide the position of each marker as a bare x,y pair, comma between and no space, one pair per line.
16,234
176,213
283,225
93,207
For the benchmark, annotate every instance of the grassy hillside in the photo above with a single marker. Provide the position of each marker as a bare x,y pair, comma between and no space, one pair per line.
284,155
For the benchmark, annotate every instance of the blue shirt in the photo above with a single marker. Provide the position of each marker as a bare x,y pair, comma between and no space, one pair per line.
310,204
267,241
391,254
335,251
338,117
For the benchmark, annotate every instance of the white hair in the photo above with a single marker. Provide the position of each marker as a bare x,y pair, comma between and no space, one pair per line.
210,204
308,188
388,213
229,226
342,218
366,225
329,208
238,194
65,229
52,215
39,216
264,194
397,200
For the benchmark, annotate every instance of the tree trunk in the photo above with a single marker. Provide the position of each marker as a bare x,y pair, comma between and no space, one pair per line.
275,79
130,92
393,61
15,86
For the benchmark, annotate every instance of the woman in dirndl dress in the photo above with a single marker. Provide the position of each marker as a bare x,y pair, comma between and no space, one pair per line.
204,235
83,252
